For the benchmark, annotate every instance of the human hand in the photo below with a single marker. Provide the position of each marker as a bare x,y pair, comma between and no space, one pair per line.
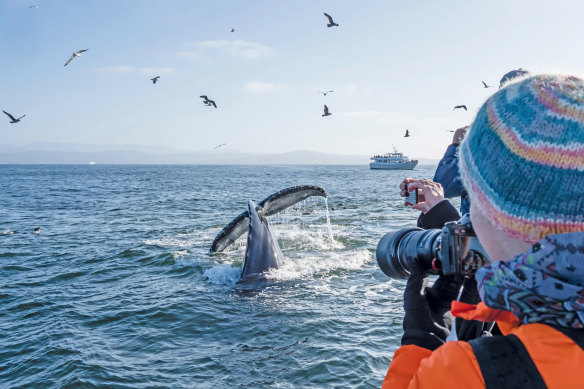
430,193
427,319
403,187
459,135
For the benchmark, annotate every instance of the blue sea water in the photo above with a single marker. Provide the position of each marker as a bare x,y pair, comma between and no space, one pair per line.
119,289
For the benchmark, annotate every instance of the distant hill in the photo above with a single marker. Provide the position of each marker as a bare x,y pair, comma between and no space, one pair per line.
55,153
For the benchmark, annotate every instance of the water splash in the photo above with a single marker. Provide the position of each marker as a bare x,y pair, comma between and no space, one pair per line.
328,220
223,274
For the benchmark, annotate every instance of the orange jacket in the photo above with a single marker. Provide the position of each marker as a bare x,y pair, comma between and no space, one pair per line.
559,360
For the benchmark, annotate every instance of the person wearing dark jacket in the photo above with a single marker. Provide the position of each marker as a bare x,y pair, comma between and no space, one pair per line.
522,164
447,172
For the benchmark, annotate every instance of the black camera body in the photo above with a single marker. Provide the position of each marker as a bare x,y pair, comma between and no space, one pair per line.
454,249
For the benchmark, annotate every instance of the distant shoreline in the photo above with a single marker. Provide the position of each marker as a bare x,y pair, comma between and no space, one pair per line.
63,154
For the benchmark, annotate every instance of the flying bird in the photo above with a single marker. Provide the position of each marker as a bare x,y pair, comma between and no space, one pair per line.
325,93
407,135
221,145
232,30
155,79
460,106
34,6
208,102
326,111
75,54
485,85
331,21
12,119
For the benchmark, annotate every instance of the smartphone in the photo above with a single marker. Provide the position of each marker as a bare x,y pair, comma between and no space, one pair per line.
411,197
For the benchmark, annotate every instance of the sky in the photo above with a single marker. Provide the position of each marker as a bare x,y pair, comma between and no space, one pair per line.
393,65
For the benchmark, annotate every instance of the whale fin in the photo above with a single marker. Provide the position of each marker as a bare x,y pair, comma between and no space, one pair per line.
271,205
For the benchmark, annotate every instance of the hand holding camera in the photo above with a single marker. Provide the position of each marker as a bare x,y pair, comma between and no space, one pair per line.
421,194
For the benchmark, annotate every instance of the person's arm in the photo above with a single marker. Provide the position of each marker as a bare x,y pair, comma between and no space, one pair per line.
438,215
447,173
452,366
427,323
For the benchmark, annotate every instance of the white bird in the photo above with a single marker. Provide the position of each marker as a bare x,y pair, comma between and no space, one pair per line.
34,6
75,54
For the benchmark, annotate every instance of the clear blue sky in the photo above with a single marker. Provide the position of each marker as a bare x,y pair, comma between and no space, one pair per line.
392,65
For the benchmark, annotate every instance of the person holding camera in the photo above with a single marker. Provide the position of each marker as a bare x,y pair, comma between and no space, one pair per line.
522,164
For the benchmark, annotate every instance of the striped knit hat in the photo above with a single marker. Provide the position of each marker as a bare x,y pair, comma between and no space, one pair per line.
522,160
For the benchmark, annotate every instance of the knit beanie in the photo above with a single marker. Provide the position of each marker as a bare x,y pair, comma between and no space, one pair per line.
522,161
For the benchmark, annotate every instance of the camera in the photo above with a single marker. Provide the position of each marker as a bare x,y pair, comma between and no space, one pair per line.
411,197
454,249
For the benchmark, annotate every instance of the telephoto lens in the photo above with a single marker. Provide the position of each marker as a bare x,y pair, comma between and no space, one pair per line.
398,251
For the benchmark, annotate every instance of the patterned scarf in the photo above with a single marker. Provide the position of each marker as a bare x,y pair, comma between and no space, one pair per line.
544,285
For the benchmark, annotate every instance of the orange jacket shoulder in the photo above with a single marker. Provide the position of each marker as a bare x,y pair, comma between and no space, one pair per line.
559,360
452,365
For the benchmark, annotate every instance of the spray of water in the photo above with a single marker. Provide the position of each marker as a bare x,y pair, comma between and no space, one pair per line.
328,220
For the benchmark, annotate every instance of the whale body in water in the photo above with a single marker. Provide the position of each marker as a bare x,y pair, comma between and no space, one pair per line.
262,251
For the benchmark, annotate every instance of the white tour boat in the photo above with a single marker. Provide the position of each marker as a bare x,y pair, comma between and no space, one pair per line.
393,161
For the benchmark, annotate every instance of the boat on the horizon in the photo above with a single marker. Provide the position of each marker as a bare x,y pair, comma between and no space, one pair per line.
393,161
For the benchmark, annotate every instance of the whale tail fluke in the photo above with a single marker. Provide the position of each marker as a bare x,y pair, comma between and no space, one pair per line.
269,206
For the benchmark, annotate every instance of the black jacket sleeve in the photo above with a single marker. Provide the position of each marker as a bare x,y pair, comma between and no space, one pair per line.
439,215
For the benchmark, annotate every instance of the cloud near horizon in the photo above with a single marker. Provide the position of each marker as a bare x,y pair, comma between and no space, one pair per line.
362,113
259,86
146,71
237,48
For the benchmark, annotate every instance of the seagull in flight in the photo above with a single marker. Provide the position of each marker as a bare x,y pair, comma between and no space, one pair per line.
325,93
326,111
460,106
208,102
12,118
232,30
407,135
331,21
75,54
221,145
155,79
486,86
34,6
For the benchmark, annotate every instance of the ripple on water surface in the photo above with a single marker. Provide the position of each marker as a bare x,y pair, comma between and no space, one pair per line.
119,289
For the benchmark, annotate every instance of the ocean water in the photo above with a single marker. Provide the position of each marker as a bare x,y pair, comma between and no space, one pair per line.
119,289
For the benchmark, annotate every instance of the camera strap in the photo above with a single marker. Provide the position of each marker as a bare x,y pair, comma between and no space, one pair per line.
505,363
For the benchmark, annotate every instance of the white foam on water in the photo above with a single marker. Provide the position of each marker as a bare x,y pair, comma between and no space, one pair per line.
312,237
324,263
182,240
328,220
180,253
223,274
